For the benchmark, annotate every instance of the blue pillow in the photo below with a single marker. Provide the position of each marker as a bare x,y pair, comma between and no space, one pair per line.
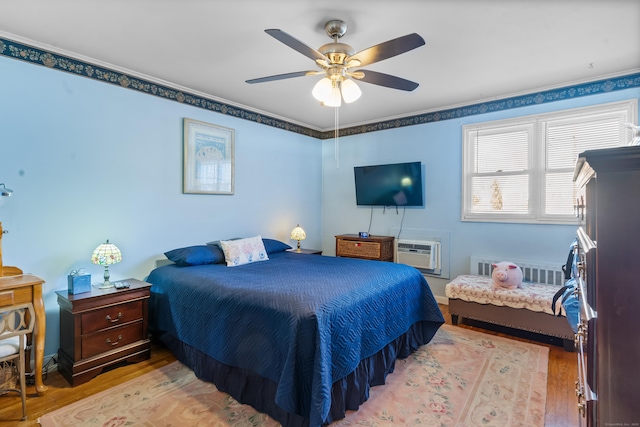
272,246
196,255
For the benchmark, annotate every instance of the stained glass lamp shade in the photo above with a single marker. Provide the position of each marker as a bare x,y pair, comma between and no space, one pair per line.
106,254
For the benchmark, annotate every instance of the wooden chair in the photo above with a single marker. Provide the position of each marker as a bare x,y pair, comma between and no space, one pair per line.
15,323
30,287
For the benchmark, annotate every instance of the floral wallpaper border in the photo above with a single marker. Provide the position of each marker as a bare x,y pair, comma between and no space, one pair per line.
56,61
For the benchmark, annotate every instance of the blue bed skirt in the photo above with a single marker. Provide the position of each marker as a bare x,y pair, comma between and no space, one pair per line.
347,393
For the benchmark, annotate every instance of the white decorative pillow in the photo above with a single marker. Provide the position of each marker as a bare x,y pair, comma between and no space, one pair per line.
243,251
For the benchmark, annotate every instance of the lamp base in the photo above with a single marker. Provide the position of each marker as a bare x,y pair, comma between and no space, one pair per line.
106,285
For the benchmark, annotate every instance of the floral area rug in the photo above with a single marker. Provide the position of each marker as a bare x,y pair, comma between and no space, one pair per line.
462,378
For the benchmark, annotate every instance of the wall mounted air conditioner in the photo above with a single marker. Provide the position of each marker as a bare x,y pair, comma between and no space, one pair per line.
424,254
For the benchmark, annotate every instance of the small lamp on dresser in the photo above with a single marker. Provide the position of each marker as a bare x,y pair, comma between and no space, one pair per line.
298,234
106,254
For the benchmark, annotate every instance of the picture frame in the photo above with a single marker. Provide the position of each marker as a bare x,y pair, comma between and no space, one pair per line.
209,157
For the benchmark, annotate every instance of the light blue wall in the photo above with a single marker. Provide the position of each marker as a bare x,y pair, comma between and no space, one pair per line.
89,161
438,146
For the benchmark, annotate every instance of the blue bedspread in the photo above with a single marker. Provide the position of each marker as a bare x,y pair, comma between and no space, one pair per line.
302,321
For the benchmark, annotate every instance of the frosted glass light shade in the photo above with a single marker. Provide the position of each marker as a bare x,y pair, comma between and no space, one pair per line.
322,90
335,99
350,91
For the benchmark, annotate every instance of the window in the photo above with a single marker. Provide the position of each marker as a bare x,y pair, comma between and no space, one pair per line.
521,170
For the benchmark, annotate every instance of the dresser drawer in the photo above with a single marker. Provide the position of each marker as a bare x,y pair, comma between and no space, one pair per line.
111,316
108,340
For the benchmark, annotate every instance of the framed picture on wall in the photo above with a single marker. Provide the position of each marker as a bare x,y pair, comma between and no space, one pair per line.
208,158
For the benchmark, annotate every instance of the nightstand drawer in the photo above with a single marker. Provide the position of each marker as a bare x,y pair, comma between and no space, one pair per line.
350,248
111,339
111,316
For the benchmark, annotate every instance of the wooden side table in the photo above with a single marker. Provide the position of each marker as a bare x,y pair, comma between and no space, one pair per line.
101,328
306,251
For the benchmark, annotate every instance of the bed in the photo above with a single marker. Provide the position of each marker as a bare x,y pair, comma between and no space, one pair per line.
298,337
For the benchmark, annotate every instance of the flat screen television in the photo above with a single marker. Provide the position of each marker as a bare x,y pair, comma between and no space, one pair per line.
398,184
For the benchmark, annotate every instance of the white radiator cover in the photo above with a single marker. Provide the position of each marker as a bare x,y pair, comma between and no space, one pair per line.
422,254
532,271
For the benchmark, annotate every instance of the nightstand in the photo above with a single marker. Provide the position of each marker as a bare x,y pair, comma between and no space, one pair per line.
306,251
101,328
373,247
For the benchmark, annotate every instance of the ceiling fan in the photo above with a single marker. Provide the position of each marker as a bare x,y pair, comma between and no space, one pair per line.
337,60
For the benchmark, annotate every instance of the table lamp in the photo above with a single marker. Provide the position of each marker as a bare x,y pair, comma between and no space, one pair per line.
106,254
4,191
298,234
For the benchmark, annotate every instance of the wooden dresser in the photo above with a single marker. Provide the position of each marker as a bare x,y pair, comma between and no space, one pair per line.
373,247
101,328
608,250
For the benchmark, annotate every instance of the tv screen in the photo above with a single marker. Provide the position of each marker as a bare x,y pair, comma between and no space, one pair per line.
398,184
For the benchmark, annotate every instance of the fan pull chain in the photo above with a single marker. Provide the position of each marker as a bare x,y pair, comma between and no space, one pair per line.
336,137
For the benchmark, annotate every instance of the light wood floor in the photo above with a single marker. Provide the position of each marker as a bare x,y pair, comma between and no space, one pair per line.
561,400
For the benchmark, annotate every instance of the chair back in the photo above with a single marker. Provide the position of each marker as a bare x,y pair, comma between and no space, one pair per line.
16,320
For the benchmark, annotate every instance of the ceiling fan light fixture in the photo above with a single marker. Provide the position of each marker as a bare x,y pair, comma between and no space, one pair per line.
335,98
337,59
322,90
350,90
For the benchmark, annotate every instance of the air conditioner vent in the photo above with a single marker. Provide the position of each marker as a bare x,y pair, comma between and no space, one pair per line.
422,254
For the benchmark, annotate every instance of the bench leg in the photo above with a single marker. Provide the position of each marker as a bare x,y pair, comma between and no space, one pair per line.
454,319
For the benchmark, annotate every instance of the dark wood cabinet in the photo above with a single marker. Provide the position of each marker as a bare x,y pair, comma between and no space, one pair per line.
373,247
101,328
608,340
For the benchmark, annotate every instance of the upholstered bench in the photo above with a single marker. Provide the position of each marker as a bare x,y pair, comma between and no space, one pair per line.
527,308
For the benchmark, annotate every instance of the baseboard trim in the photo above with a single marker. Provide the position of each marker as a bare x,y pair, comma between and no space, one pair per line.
441,300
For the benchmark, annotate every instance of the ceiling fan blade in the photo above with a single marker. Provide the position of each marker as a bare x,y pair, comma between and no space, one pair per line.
295,44
388,80
388,49
285,76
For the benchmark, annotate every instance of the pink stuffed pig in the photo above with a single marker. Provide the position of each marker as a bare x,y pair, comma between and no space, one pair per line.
506,275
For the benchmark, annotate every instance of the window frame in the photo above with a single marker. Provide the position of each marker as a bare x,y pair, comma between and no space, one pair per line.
536,126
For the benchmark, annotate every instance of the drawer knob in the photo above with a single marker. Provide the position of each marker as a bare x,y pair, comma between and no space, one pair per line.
108,340
109,319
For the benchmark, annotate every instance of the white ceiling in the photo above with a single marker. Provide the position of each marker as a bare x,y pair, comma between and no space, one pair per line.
476,50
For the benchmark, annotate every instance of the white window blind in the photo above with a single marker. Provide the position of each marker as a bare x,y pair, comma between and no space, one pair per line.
521,170
500,179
